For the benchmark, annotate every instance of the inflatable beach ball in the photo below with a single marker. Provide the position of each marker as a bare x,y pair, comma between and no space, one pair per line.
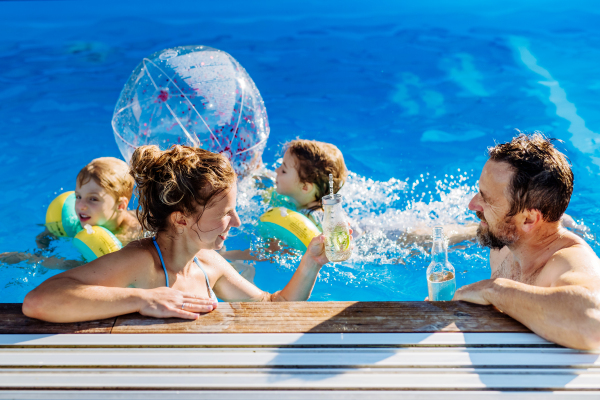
196,96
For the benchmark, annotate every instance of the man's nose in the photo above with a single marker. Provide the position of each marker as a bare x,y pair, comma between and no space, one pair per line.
474,204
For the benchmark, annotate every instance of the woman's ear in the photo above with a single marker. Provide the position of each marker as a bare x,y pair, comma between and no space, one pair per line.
178,219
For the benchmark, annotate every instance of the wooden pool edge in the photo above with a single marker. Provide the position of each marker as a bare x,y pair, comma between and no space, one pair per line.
288,317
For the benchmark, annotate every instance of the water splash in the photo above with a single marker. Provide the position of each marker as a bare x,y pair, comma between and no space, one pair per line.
396,216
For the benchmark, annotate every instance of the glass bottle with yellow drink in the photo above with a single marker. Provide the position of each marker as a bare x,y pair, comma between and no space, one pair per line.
335,227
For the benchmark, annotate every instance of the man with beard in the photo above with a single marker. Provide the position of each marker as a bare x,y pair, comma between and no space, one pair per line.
543,275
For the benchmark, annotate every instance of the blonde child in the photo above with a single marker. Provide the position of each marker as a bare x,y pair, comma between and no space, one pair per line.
104,188
102,192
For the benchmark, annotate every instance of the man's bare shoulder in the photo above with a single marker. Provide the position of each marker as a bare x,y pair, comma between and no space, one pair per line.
575,261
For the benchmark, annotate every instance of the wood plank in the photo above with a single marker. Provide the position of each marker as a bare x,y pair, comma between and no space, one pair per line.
298,379
14,321
292,317
278,340
331,317
305,358
290,395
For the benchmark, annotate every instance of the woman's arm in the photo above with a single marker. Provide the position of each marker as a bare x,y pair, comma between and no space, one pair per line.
100,290
233,255
303,280
231,286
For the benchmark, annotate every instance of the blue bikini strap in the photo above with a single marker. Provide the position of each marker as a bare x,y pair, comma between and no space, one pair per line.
161,260
212,294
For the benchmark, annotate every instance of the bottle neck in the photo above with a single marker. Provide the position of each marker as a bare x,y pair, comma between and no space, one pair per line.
332,209
439,253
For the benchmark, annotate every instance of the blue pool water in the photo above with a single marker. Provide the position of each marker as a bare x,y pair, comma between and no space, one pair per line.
411,94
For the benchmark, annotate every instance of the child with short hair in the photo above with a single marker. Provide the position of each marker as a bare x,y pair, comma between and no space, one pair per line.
104,188
303,177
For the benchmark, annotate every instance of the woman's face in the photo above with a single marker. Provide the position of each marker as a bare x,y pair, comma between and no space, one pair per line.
215,222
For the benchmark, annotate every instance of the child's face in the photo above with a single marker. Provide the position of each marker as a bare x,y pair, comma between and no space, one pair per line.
288,182
94,205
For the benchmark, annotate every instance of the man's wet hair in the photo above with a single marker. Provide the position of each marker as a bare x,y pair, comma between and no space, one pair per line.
542,178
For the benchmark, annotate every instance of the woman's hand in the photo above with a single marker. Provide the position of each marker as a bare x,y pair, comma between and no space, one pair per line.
166,302
316,250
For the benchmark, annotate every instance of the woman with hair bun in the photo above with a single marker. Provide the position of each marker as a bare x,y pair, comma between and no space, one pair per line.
187,196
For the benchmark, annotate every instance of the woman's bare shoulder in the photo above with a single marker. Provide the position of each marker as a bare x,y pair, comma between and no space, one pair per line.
139,247
212,259
216,265
118,269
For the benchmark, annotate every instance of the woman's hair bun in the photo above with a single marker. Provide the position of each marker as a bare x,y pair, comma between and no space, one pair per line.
180,179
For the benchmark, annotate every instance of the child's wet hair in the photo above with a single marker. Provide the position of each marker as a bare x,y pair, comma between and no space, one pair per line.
180,179
315,161
109,173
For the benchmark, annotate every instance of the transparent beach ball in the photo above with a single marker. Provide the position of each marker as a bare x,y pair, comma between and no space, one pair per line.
195,96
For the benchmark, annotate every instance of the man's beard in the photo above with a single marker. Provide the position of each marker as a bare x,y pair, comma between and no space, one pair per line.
505,235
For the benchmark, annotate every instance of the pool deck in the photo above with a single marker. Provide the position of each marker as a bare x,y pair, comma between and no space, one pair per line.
315,350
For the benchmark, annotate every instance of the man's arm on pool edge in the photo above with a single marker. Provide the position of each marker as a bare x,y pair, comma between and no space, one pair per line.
567,313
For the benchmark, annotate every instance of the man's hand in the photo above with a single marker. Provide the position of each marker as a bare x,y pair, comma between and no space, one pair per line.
474,293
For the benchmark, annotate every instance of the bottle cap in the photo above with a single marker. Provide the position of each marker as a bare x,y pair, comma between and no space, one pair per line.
331,200
438,232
